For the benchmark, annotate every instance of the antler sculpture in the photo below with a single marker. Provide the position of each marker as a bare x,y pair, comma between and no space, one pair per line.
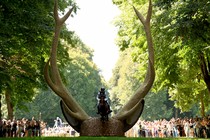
74,114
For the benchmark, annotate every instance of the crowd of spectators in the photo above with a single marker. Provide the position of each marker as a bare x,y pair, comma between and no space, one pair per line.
21,128
186,127
34,128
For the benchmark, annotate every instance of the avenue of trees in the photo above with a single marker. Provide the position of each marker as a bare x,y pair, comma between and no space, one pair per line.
181,35
26,31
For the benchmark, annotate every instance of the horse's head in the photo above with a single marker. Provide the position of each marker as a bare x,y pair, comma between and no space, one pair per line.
102,100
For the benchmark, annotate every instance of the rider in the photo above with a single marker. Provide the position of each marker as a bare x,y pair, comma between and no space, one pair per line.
102,95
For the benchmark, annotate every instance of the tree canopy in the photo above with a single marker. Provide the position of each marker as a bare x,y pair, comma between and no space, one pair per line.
82,79
26,31
26,28
180,31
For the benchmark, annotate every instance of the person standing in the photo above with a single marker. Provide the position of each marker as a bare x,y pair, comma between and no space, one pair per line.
14,128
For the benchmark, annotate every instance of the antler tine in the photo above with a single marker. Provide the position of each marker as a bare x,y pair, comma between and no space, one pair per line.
54,80
142,91
149,15
58,24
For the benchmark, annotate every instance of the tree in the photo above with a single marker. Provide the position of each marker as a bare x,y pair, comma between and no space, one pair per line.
82,78
125,80
25,31
181,35
184,34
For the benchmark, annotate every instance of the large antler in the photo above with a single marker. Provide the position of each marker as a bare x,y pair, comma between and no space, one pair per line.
73,113
53,79
134,106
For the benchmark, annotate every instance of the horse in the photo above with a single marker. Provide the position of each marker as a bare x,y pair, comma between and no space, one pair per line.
103,109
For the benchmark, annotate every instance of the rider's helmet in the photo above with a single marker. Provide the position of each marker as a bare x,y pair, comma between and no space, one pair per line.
102,90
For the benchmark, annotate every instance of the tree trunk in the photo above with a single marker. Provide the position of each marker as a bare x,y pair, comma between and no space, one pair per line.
9,104
176,113
205,69
202,106
0,107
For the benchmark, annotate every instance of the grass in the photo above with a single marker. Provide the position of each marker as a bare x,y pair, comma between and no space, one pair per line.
98,138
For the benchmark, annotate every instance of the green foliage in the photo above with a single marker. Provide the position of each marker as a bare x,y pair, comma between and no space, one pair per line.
124,80
45,106
180,31
24,35
127,77
26,31
182,35
82,79
192,21
157,106
131,34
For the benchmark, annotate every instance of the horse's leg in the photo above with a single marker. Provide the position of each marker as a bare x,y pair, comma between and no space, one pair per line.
107,118
102,118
